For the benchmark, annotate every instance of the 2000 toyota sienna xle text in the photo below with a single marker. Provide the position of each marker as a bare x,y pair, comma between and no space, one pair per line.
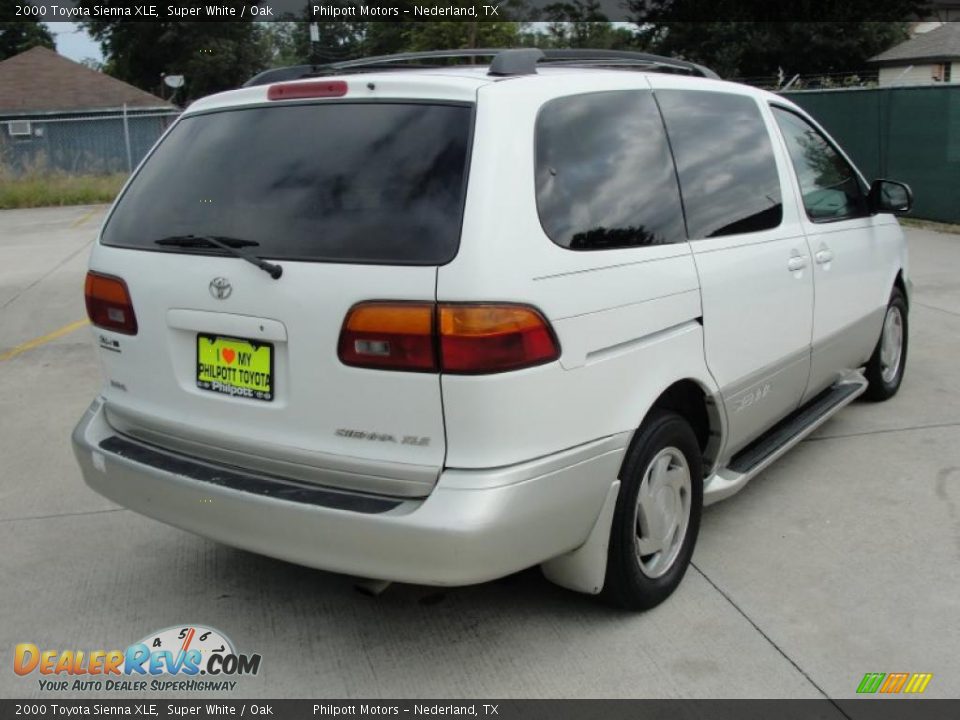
438,325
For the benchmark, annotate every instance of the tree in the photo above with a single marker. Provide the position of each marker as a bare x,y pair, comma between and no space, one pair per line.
16,37
92,63
582,24
751,49
419,37
289,42
212,56
704,11
744,38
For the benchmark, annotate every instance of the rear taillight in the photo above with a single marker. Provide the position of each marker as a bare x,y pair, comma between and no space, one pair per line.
307,89
108,303
494,338
458,338
390,336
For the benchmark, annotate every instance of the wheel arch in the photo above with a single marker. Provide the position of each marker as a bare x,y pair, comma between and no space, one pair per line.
700,407
901,284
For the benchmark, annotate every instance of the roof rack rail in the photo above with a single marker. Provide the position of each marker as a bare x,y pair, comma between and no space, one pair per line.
504,63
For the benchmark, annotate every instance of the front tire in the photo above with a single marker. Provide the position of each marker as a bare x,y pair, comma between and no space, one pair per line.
657,518
886,366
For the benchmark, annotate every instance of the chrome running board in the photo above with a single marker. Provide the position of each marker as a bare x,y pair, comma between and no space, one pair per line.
773,444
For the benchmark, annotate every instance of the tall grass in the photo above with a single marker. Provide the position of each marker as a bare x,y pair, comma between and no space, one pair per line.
36,184
55,187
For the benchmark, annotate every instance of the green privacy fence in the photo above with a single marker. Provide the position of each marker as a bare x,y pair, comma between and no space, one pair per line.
911,134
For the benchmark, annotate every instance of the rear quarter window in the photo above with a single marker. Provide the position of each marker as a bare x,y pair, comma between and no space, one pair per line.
604,175
376,182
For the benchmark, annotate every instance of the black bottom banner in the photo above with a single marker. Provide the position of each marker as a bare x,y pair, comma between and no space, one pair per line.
884,709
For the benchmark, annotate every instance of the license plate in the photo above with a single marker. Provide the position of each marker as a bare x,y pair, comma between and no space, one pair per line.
233,366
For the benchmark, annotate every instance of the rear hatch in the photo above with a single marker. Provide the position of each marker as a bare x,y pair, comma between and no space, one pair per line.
355,201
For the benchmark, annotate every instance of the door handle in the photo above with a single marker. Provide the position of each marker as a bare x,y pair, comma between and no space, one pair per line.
823,256
797,262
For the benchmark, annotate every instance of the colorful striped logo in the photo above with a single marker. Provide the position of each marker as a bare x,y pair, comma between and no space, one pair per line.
912,683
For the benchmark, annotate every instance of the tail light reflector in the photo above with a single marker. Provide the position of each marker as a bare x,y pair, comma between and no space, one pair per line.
108,303
456,338
389,336
310,89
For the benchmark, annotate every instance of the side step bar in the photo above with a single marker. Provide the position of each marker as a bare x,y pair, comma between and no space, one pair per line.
773,444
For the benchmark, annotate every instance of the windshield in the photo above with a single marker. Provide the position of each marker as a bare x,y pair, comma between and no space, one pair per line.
361,182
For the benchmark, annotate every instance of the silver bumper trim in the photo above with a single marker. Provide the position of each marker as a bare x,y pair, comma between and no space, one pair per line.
351,473
473,528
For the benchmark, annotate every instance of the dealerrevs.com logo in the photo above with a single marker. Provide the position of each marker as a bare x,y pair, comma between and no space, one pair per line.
179,658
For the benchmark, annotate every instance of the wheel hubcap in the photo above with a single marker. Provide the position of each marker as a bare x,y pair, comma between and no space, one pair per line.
891,344
663,511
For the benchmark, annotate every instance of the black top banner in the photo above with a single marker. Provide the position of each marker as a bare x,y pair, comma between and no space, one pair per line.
483,10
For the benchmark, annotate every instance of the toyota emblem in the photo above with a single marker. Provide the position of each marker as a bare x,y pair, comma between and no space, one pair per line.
220,288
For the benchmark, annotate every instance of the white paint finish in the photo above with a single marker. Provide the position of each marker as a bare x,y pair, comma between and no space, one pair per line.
498,420
315,393
432,85
757,291
243,326
594,337
851,289
602,304
757,316
855,263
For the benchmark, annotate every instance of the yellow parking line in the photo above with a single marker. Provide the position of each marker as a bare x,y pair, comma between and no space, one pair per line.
83,218
37,342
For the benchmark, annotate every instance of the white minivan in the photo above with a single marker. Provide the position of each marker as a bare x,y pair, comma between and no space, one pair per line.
437,323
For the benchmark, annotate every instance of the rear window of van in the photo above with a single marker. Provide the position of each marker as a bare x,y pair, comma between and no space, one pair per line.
377,182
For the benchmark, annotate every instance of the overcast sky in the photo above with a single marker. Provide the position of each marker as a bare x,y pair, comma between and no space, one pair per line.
73,41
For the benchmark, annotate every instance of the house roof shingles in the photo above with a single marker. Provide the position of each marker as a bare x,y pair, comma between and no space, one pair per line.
942,43
40,80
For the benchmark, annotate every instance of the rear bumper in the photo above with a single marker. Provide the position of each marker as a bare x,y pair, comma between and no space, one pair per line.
475,525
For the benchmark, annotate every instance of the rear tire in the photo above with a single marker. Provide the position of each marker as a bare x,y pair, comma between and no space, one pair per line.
884,370
657,518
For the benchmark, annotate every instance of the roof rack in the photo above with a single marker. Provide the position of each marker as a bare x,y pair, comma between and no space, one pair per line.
504,63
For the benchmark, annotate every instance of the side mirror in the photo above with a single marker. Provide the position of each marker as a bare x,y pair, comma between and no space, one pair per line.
890,196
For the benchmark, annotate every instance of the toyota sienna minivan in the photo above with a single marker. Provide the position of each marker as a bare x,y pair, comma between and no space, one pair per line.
417,321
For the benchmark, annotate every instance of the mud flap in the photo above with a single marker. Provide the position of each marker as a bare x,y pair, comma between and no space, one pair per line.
585,568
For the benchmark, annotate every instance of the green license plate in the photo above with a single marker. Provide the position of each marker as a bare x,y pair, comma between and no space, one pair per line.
233,366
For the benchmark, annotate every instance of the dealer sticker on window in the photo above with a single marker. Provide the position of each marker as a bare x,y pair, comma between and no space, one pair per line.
232,366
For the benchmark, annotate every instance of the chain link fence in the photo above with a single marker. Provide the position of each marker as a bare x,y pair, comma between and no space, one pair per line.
818,81
89,144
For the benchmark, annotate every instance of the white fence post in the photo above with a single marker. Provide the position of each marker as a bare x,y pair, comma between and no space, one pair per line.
126,137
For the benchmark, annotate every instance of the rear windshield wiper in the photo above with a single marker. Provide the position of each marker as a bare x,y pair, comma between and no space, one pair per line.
231,245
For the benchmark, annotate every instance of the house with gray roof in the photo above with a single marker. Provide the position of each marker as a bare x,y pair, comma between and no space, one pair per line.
58,114
930,58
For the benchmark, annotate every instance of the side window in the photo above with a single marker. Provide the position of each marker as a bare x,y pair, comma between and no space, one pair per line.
728,173
604,175
831,188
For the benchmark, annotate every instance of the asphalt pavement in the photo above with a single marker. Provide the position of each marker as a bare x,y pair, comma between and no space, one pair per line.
841,559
